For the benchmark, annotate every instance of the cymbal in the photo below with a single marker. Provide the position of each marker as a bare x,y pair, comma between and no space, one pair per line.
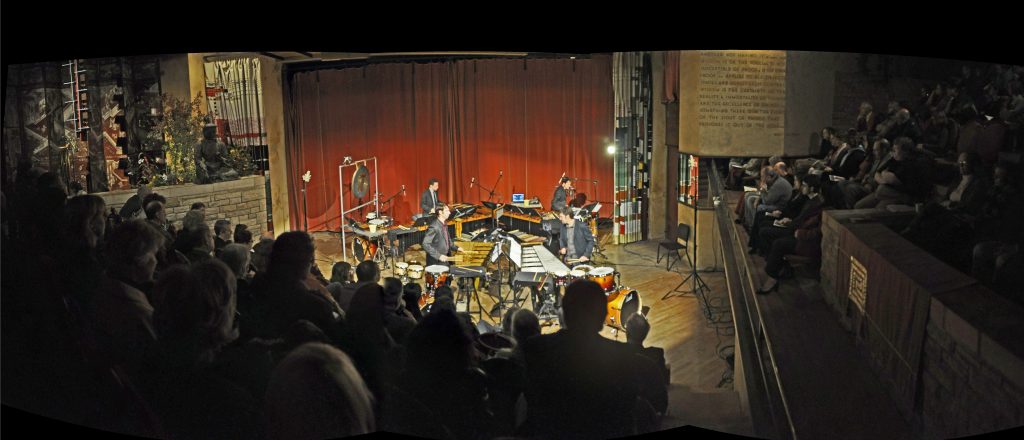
360,182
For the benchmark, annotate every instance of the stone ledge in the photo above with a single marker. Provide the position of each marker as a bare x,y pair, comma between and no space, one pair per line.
1001,359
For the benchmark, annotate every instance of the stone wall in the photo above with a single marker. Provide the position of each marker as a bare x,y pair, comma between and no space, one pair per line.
971,374
971,381
241,201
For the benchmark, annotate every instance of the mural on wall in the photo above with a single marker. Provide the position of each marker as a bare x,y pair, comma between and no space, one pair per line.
48,103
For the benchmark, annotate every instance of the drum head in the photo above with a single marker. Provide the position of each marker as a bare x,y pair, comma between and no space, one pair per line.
402,264
561,273
377,221
437,268
584,268
630,306
416,267
602,271
577,273
371,216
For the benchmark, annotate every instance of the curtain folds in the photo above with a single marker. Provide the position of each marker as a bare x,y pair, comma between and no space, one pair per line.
529,120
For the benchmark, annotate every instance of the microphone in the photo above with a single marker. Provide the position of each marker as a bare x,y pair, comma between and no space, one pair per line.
403,189
501,173
472,180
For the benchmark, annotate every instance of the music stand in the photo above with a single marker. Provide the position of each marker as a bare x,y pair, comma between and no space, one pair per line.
424,221
464,212
490,205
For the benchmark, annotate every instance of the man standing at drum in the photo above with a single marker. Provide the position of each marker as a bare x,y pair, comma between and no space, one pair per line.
429,203
576,241
437,242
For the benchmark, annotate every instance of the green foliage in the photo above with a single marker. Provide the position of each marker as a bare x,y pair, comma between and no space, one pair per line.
182,124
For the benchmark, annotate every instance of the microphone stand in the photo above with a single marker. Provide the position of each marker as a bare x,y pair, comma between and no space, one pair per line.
492,190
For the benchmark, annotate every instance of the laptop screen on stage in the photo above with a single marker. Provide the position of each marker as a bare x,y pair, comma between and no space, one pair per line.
518,198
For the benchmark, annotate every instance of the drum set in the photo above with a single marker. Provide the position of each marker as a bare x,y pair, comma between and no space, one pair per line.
623,302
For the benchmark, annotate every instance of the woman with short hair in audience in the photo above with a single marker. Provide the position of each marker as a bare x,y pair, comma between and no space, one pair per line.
199,384
316,393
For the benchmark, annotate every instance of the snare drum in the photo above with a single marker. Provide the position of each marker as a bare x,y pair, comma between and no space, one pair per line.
576,274
605,276
437,276
401,269
585,268
415,271
562,278
622,304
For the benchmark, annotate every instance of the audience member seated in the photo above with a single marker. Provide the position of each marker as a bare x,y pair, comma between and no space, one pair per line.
866,119
411,293
316,393
740,172
261,255
341,275
398,321
750,198
939,135
196,242
121,311
997,228
199,387
801,236
284,294
906,180
637,329
653,385
222,235
774,197
439,373
132,208
846,161
854,190
580,384
367,272
82,260
791,210
242,235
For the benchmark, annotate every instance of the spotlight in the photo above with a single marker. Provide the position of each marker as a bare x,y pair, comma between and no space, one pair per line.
611,149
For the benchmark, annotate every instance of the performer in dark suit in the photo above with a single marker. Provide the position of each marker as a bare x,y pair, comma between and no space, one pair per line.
429,201
558,201
575,239
437,242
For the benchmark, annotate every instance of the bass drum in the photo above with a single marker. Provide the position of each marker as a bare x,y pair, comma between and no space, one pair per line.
622,304
363,250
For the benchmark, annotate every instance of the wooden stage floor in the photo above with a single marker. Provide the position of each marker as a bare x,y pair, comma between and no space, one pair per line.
701,391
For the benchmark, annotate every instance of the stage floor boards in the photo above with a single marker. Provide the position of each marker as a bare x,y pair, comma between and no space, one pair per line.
698,395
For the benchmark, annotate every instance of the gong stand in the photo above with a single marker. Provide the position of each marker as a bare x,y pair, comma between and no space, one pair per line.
360,188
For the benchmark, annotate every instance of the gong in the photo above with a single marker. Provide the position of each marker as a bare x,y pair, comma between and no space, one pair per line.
360,182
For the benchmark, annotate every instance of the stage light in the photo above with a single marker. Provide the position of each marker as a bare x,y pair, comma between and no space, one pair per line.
611,149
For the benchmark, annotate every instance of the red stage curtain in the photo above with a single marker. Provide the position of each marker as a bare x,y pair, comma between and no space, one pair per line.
531,119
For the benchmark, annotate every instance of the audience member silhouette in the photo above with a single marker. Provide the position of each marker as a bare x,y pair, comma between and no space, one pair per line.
316,393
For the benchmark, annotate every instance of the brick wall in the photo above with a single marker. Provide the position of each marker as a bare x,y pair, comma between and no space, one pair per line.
241,201
970,384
